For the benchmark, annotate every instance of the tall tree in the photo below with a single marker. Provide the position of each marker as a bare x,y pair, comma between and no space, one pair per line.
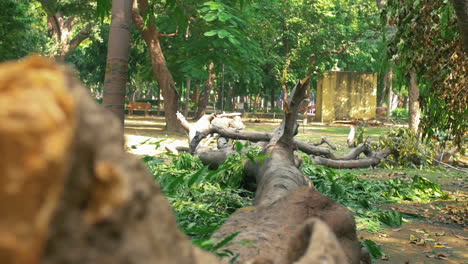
205,96
414,110
117,58
461,9
64,19
151,35
427,40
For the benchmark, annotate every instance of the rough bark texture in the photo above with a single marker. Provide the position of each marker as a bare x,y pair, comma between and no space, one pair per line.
115,80
414,110
72,195
255,137
151,35
351,163
461,10
81,198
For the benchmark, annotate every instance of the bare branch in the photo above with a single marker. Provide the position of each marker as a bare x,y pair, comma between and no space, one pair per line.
160,35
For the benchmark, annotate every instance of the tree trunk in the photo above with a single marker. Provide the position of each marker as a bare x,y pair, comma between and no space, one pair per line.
188,83
196,94
273,96
461,10
230,98
390,93
414,110
116,76
63,27
256,102
222,93
205,96
151,35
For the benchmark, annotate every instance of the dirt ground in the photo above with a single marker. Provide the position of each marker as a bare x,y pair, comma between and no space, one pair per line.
438,233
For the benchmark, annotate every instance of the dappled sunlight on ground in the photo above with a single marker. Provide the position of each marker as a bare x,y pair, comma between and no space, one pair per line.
146,135
421,242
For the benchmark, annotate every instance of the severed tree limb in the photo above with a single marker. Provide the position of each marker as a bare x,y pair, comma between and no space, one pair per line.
351,164
354,153
255,137
223,143
228,115
351,135
324,140
314,234
445,156
290,119
184,123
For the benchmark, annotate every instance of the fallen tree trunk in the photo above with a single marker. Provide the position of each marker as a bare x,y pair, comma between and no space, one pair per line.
214,158
73,195
351,164
254,137
284,201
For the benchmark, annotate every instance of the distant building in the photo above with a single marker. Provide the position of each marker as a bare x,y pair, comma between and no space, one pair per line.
342,95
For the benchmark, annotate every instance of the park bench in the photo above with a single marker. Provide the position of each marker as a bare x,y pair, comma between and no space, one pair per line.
138,106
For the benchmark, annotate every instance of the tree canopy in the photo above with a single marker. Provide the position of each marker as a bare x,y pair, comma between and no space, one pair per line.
255,47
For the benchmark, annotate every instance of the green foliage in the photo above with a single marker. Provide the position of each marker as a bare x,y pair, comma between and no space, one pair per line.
374,250
409,150
202,199
426,39
400,113
364,196
390,218
361,130
214,245
20,28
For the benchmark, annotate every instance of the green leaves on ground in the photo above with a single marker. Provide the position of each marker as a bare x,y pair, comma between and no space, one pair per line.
374,250
202,199
215,245
364,196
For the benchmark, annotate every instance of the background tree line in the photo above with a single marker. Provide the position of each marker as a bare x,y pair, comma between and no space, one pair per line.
198,53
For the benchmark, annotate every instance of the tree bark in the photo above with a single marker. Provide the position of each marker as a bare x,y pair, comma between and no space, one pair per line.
414,110
116,76
272,96
229,99
151,35
255,137
390,93
205,96
351,163
461,10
